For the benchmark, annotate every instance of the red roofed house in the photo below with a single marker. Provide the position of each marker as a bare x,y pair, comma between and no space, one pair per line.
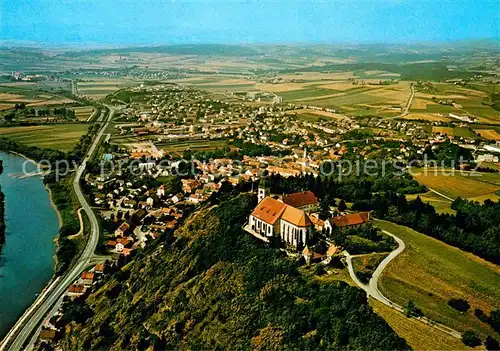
122,229
76,290
305,200
87,278
352,220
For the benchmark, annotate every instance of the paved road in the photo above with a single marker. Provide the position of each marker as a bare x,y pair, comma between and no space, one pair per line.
28,323
373,291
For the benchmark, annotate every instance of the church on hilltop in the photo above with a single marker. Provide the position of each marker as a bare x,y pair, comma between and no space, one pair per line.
284,218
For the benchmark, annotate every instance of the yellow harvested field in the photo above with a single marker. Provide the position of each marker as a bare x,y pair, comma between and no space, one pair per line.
345,85
318,76
4,107
443,130
279,88
319,113
488,134
56,101
440,97
421,104
9,96
420,336
465,185
427,117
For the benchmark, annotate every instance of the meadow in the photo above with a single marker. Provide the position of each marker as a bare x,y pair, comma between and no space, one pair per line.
420,336
470,185
62,137
430,273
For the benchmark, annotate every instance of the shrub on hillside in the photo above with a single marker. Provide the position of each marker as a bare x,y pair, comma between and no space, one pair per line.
459,304
471,339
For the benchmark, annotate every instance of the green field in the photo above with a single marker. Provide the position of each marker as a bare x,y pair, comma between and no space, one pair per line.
60,136
473,186
430,273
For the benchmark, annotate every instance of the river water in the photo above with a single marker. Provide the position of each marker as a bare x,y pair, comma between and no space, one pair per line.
27,257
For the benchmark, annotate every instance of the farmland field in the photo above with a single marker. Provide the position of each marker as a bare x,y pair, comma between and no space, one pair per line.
83,113
419,336
489,134
430,273
455,131
61,137
468,101
474,186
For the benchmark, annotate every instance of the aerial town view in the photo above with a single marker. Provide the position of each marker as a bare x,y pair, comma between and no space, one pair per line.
250,175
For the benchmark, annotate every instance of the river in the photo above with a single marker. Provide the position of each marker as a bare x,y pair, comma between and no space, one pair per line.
27,257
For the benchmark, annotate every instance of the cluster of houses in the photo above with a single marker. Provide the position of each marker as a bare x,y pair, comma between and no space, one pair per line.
80,287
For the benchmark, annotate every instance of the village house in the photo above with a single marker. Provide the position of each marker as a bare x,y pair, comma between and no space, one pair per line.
76,290
122,229
353,220
87,279
305,200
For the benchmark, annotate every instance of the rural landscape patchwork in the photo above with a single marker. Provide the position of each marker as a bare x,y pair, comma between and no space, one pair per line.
211,189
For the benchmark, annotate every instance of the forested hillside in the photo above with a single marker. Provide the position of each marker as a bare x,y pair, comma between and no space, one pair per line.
211,286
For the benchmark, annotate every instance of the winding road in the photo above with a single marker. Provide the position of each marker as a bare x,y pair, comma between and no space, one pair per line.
372,288
31,319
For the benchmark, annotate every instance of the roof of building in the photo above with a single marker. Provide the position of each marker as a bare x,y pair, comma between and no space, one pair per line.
99,267
350,219
87,275
300,199
296,217
269,210
332,250
76,288
47,334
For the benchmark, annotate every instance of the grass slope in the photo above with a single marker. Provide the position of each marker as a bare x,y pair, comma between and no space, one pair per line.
430,273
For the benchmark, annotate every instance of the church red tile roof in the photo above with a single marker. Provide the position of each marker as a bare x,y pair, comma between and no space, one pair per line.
303,198
269,210
296,217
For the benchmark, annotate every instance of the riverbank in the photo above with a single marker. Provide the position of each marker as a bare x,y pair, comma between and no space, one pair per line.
27,257
2,213
58,214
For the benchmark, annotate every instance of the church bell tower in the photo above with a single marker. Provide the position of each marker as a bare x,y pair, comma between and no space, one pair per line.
263,191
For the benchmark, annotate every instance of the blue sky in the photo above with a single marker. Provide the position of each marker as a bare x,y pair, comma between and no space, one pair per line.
167,22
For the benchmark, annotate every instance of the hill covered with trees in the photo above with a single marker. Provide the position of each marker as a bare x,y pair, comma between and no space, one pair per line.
212,286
